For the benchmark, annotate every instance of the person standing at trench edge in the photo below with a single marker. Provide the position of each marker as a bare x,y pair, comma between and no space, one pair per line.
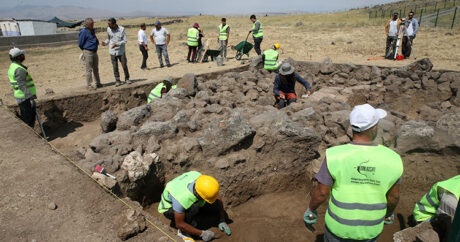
116,39
363,180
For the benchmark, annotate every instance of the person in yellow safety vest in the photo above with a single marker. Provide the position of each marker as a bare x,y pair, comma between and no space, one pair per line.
270,58
257,33
363,181
182,199
224,34
24,87
193,36
441,199
161,88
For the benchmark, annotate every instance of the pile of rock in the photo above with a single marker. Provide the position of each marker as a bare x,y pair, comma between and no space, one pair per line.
227,126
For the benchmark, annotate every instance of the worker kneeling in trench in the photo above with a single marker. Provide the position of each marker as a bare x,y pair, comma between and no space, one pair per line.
182,199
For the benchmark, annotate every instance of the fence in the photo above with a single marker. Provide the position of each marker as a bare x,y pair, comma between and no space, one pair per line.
433,13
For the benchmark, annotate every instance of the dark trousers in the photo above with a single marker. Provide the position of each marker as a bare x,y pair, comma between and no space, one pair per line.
257,42
283,102
124,64
27,113
192,51
190,214
145,56
391,47
407,45
162,50
330,237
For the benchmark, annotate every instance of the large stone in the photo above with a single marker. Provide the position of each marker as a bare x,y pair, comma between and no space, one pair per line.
327,67
429,114
444,91
306,116
179,93
105,141
449,77
138,166
189,83
230,134
428,84
420,65
157,129
256,61
341,117
416,136
247,76
449,125
108,121
130,223
386,133
375,73
108,182
133,117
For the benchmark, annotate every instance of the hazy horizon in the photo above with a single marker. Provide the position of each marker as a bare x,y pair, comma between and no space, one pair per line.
206,6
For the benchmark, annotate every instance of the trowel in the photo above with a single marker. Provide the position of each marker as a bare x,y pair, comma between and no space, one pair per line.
101,170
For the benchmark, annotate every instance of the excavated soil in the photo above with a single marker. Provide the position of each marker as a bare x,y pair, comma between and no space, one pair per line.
265,176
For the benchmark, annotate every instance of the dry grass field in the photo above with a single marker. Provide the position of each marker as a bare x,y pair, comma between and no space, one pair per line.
355,39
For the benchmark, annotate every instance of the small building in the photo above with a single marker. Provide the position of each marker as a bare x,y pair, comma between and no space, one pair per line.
26,27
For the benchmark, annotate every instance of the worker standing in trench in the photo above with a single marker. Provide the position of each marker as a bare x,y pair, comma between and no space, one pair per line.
363,181
23,86
182,199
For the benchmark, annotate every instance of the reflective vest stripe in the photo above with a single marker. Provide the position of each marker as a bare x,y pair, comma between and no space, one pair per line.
271,59
426,208
18,93
192,39
259,33
361,206
156,92
354,222
178,188
223,32
362,177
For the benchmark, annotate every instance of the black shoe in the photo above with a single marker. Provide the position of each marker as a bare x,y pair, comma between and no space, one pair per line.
117,83
99,85
161,66
143,68
168,65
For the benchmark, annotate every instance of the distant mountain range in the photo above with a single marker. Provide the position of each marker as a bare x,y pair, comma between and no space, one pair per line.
65,12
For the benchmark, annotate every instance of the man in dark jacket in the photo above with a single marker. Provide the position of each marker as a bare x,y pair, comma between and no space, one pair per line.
284,85
88,43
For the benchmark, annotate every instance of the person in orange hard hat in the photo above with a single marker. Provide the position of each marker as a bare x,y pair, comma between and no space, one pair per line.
182,199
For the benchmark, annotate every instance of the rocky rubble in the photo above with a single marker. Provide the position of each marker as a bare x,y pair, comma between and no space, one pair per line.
227,126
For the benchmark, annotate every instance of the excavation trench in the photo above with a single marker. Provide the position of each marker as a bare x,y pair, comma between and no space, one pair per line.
224,124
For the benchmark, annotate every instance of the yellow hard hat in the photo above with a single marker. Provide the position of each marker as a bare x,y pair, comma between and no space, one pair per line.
207,187
277,46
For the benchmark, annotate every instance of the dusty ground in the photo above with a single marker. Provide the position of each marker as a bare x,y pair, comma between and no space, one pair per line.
34,176
355,40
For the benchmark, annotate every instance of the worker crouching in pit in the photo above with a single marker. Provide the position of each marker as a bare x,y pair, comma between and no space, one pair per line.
284,85
182,200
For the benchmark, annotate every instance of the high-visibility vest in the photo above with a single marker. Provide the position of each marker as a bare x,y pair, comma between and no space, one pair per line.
156,92
192,39
426,208
258,33
362,177
271,59
14,83
178,189
223,32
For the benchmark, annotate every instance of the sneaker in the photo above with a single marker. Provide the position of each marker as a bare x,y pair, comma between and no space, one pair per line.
161,66
168,65
117,83
128,81
99,85
91,88
185,236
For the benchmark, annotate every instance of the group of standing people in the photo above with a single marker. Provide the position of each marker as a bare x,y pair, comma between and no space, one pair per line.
396,26
160,38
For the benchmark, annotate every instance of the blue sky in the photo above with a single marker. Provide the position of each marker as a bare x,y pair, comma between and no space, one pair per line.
206,6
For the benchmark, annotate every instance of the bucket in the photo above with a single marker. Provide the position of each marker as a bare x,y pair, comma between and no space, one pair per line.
220,60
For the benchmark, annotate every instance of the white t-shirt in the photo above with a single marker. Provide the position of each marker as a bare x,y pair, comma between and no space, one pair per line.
393,28
160,35
141,37
410,30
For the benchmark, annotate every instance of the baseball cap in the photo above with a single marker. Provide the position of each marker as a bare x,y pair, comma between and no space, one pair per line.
15,52
364,117
157,22
168,79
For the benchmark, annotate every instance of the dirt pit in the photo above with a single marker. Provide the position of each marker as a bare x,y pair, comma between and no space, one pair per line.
225,125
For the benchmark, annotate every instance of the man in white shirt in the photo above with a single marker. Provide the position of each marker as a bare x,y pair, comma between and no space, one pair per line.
160,38
392,30
410,32
116,39
143,42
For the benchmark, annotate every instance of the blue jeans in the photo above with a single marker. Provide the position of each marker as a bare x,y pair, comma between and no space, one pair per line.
162,50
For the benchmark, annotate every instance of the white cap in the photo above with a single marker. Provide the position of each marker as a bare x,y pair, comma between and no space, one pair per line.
364,117
15,52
